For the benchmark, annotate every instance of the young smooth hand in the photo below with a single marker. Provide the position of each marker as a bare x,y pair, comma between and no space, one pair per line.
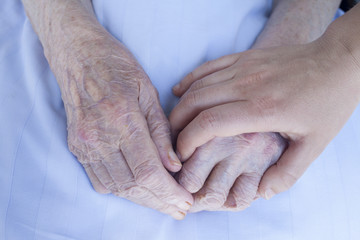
305,92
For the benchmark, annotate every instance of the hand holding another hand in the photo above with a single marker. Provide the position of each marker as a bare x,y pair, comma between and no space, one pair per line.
117,128
224,173
297,91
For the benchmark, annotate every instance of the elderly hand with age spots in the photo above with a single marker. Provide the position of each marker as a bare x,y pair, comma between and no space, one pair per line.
224,173
116,126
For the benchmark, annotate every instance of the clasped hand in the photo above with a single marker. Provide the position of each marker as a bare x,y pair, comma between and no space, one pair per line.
119,133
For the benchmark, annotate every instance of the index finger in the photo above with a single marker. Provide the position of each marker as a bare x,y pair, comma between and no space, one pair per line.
222,121
202,71
144,161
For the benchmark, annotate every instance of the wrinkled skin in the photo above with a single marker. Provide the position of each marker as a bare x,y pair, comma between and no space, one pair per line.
237,163
225,172
297,91
117,129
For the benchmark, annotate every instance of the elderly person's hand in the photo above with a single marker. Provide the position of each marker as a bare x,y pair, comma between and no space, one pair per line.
116,126
225,173
305,92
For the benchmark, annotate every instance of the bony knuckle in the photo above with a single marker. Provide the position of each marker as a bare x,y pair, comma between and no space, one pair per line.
190,181
147,174
215,198
160,127
243,197
275,145
242,203
191,98
133,192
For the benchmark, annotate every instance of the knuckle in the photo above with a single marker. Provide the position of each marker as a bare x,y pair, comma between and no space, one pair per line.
215,198
191,98
275,146
101,190
242,201
161,128
197,85
147,174
189,180
208,119
245,192
132,191
248,139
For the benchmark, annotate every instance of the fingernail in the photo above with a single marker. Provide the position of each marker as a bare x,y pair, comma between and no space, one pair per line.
184,205
174,159
269,193
179,215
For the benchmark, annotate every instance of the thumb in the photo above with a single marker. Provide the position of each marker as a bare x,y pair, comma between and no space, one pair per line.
159,128
288,169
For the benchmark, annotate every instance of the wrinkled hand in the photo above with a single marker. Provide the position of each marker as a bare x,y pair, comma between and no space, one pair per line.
117,129
305,92
225,172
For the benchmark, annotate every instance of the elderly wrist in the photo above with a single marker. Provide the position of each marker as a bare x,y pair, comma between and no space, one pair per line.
60,24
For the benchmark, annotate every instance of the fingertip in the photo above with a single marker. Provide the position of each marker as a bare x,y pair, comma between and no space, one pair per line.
286,171
177,90
178,215
175,164
171,161
101,189
181,145
265,189
274,182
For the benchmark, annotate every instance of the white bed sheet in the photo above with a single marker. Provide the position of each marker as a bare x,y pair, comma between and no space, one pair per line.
44,192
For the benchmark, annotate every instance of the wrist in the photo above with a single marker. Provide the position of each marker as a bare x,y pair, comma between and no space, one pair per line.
62,24
343,38
296,22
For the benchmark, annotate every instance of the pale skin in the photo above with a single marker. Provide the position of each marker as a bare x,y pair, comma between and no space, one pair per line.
116,127
224,173
306,92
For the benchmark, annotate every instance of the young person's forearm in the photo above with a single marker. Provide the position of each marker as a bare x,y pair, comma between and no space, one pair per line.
296,22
